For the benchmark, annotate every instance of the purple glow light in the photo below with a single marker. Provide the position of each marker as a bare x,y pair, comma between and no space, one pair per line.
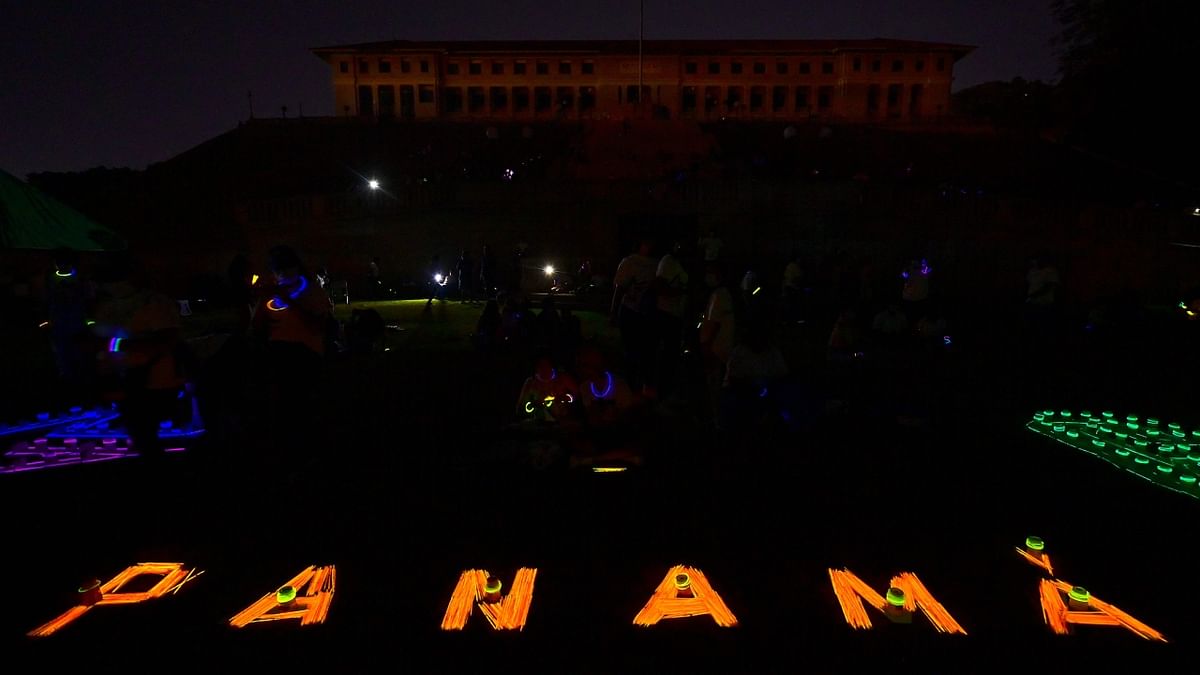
607,389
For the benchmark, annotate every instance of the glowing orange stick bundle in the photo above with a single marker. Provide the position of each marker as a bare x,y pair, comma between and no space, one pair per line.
287,603
1060,618
1040,559
173,576
507,612
684,592
851,591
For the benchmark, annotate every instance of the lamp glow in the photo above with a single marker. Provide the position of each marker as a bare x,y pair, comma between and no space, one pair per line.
373,184
549,269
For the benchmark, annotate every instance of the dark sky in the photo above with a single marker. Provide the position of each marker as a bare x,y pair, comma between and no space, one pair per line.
120,83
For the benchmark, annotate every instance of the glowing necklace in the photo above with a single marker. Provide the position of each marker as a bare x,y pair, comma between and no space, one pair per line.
60,273
553,376
276,304
607,389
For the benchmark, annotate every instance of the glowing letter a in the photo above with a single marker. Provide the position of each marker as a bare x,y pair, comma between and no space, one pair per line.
506,612
1097,613
173,576
311,607
684,592
912,595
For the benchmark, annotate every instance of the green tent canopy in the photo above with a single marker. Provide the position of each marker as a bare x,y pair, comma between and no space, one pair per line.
31,219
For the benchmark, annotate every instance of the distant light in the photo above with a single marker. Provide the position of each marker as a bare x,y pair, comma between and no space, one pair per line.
549,270
373,184
508,174
437,278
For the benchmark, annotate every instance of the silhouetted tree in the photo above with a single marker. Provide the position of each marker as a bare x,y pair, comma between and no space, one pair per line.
1127,70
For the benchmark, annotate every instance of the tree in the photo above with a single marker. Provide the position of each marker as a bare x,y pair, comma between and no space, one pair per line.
1126,78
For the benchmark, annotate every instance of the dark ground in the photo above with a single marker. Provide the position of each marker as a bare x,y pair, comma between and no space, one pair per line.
407,482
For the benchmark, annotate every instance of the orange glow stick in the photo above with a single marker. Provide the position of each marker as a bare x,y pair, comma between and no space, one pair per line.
507,612
174,576
1040,559
684,592
311,608
851,591
1059,618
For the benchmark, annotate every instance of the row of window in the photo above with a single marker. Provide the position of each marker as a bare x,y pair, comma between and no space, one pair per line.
689,67
382,100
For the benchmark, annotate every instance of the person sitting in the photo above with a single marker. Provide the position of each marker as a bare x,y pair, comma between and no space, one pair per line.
606,397
845,341
755,369
548,395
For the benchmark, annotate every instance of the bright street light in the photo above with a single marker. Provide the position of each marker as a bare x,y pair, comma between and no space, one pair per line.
549,269
373,184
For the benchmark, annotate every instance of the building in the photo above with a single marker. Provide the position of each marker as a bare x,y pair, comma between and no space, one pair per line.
837,80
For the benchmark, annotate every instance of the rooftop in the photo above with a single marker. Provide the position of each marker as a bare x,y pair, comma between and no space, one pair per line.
651,47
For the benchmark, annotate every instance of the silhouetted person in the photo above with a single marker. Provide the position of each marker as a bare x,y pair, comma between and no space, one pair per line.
68,296
633,311
671,286
487,273
465,269
374,279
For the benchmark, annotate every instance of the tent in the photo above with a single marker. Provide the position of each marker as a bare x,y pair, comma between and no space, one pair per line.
31,219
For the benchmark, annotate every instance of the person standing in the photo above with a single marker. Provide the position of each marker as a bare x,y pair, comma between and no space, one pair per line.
374,280
139,354
671,286
292,316
915,293
487,274
68,295
437,277
716,332
465,269
633,309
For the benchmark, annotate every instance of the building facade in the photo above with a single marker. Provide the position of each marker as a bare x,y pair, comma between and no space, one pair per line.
836,80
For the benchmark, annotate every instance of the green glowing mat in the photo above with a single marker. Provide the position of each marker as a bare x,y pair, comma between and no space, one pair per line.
1164,454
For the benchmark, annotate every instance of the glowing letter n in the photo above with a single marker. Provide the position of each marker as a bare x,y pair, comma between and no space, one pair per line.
507,612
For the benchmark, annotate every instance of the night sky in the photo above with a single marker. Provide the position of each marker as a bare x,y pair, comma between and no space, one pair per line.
88,83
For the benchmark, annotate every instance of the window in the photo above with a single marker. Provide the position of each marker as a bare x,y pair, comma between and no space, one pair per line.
631,93
364,67
856,64
824,97
452,99
564,67
757,98
520,99
778,99
781,68
897,66
827,67
541,99
565,97
941,63
735,68
497,67
543,68
587,98
475,68
425,93
451,68
424,66
588,68
712,98
873,98
365,103
405,66
385,66
893,95
805,67
498,99
689,99
802,94
733,98
714,67
919,65
475,99
387,101
690,67
344,66
519,68
875,65
760,68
